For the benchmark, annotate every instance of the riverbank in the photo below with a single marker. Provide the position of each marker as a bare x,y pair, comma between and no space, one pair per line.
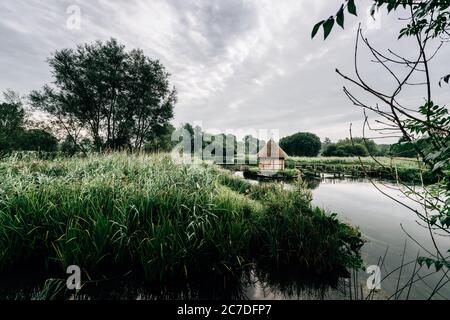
404,170
159,221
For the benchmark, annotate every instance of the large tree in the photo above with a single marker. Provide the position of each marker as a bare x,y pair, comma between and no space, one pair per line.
12,117
302,144
120,98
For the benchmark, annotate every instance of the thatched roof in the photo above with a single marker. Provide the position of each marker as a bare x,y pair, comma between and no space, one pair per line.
272,150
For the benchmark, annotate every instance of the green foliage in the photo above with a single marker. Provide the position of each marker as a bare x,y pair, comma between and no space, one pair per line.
69,146
119,97
339,18
352,148
12,117
291,232
167,222
289,173
407,149
37,140
432,16
301,144
160,140
14,136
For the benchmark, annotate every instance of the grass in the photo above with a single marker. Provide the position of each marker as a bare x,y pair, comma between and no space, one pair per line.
112,214
402,169
369,161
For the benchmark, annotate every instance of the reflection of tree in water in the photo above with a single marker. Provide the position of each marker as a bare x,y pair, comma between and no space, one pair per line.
312,183
207,287
212,286
289,282
292,282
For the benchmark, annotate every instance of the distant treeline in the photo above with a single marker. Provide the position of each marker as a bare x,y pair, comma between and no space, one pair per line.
305,144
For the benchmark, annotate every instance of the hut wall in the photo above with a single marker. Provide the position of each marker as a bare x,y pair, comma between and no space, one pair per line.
271,164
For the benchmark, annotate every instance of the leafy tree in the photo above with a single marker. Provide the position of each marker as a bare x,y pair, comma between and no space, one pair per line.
352,150
302,144
408,149
383,150
161,141
330,150
118,97
37,140
346,148
69,146
325,144
12,117
370,145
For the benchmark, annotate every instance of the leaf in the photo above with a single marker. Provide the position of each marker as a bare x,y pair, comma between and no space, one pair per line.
446,79
340,17
373,10
316,28
328,26
391,6
352,7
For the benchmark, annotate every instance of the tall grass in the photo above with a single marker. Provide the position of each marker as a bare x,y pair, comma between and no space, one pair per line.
116,213
386,161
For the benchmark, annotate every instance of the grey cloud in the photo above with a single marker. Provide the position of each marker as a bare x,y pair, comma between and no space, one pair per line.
236,63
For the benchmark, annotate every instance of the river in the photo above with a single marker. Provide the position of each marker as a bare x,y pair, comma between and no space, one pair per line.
385,224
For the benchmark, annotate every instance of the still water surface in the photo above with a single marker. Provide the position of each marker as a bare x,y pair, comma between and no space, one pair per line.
381,220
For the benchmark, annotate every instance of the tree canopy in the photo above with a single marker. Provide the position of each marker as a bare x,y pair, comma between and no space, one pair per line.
12,117
14,136
120,98
302,144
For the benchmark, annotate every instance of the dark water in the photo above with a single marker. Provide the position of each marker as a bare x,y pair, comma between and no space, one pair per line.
386,225
394,234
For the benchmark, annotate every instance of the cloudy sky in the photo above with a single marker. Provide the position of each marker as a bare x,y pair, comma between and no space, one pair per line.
237,64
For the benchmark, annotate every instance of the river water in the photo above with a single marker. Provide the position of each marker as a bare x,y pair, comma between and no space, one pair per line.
387,226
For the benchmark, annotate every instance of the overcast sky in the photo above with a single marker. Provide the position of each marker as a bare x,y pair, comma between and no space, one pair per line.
237,64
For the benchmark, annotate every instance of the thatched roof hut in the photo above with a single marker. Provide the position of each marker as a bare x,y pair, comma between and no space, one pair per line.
272,157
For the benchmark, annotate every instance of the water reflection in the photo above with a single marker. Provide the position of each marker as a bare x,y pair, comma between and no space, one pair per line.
256,282
388,228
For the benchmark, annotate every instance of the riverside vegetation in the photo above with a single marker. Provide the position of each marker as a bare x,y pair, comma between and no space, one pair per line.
387,168
112,214
405,170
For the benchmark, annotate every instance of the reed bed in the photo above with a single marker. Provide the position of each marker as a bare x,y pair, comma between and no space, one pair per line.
405,170
368,161
112,214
